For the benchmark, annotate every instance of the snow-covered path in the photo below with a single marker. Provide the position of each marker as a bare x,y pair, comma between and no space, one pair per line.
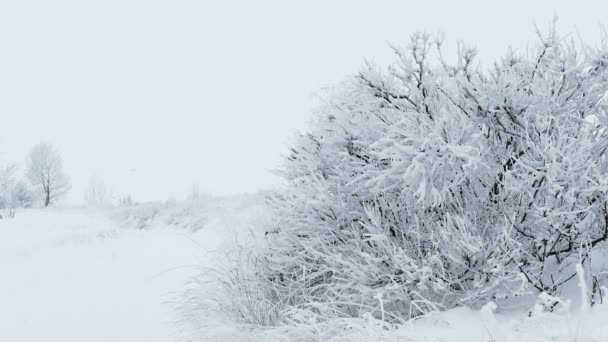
70,276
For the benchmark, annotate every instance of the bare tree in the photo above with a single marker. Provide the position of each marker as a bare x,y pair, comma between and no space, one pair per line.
45,170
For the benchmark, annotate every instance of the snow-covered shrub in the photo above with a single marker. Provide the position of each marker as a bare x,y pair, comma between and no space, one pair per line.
124,201
235,291
432,185
95,194
14,193
22,195
7,182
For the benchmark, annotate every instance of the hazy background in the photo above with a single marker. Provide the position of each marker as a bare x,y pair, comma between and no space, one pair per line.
154,96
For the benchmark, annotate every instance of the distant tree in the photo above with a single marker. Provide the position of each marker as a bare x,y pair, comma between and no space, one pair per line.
195,193
96,192
7,182
45,171
126,201
22,195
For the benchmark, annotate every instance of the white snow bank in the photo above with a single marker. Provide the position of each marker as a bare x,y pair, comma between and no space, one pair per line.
456,325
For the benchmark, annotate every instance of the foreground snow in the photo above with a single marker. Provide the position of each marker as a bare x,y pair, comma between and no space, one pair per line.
69,276
119,275
457,325
105,275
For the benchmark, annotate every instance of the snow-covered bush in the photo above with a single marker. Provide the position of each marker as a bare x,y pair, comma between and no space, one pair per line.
22,195
430,185
7,183
45,173
95,195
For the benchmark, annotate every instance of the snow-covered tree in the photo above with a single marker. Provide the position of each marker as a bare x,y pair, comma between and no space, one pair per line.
126,200
195,193
96,191
430,185
7,182
45,171
22,195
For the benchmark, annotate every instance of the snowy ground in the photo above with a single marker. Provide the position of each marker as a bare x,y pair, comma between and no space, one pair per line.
115,275
70,276
84,275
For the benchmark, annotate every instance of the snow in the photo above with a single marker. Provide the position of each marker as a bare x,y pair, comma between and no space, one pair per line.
456,325
120,274
79,276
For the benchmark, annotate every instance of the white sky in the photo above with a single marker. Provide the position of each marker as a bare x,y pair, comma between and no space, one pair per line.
154,96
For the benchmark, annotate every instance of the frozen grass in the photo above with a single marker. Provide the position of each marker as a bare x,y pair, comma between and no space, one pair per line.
456,325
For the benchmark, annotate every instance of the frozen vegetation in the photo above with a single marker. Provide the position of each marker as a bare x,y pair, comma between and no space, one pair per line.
156,272
433,186
431,200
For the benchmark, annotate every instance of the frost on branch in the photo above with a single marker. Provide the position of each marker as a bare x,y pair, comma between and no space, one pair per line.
434,185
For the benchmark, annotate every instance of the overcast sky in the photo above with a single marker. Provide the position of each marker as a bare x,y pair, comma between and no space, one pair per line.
154,96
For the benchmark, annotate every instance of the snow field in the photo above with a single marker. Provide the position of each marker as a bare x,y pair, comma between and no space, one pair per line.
73,276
